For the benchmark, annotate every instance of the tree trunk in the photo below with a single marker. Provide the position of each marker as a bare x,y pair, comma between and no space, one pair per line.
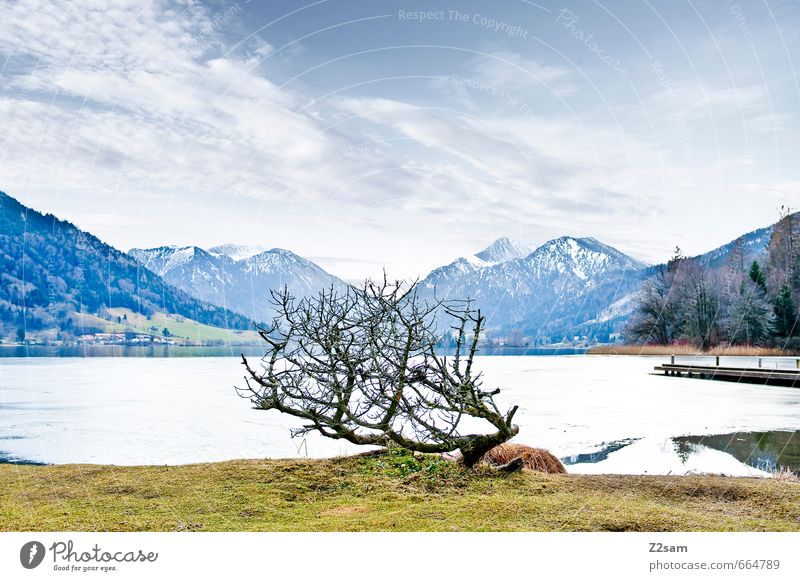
473,450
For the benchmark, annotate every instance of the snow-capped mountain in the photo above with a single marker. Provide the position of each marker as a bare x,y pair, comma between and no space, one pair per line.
275,269
453,274
574,259
504,249
231,276
191,269
548,292
237,251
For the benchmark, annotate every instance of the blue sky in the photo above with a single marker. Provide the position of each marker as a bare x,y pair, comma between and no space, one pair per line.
402,134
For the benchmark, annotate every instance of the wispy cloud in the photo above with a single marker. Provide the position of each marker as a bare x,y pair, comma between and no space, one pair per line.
748,106
509,70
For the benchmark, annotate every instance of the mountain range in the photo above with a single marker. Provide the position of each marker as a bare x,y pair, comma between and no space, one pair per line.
548,292
568,286
565,287
236,277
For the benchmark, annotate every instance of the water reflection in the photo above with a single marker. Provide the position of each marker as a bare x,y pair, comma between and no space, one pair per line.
766,451
6,458
599,455
735,454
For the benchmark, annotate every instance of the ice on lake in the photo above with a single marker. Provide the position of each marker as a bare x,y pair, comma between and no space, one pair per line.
598,413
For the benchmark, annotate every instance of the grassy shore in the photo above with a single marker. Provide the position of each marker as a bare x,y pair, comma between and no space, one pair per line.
739,351
389,493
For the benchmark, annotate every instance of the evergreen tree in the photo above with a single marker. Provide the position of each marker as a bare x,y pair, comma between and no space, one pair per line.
785,313
757,276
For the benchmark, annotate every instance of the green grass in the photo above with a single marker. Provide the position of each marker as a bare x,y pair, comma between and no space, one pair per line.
179,327
390,493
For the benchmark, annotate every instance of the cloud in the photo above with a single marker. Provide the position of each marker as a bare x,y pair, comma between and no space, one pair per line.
144,92
510,71
540,164
700,103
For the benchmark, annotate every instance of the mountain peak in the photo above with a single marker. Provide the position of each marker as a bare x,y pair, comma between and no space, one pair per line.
165,258
585,257
586,241
504,249
237,251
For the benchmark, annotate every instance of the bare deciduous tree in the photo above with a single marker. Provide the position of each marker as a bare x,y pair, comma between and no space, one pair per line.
701,306
657,318
752,316
361,365
783,266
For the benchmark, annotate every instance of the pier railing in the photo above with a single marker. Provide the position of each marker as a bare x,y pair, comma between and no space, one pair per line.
764,370
743,361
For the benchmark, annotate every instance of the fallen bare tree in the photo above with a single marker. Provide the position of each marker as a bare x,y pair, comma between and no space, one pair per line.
361,365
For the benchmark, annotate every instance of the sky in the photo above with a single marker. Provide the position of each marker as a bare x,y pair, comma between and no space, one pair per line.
400,135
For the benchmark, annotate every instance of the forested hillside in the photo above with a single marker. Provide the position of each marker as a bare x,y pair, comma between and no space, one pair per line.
50,269
743,297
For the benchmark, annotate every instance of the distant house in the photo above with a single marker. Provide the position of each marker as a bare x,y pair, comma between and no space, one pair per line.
109,338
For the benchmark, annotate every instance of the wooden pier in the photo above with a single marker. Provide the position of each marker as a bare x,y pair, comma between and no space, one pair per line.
785,376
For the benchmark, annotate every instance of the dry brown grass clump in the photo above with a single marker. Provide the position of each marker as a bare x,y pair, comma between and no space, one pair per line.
730,351
786,474
532,458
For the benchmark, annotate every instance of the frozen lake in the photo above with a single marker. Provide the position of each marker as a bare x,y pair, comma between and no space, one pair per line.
599,413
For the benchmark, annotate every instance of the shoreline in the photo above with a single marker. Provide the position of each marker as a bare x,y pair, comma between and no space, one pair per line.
686,350
10,351
396,493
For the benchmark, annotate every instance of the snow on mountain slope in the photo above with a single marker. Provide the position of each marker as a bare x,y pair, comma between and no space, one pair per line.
620,309
191,269
237,251
500,250
228,277
504,249
567,286
745,249
53,270
583,258
276,268
165,258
